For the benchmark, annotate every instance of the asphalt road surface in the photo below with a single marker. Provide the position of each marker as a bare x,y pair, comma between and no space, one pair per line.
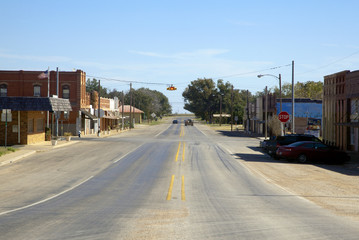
162,182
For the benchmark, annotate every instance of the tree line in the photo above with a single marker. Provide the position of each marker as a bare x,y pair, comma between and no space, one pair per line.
204,97
149,101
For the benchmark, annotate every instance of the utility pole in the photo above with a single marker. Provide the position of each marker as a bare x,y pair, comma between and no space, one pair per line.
247,110
48,95
57,93
98,109
232,109
220,109
123,106
133,109
293,126
266,113
130,105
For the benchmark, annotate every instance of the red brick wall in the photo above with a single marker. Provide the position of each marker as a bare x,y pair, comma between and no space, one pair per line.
21,84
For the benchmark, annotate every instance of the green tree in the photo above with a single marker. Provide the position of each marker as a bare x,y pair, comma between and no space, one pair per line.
310,89
93,85
149,101
201,98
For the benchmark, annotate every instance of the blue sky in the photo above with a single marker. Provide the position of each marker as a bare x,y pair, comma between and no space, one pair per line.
176,42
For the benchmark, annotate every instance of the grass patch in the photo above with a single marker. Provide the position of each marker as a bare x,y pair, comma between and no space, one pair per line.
6,150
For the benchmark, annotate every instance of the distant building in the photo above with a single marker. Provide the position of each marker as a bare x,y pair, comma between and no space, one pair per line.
308,114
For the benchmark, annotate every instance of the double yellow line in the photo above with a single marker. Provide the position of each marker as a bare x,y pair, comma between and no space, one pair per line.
169,194
178,150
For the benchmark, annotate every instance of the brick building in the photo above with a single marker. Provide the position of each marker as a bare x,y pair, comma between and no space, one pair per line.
341,110
335,110
23,119
66,85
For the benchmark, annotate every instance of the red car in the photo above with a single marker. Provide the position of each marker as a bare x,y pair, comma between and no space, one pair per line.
311,151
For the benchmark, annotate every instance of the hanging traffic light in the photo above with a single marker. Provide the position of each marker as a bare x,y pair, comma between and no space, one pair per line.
171,88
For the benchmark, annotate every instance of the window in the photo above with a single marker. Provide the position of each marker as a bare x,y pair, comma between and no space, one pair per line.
3,90
66,92
30,126
39,125
37,90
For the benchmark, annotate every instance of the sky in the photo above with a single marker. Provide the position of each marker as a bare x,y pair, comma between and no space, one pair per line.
158,43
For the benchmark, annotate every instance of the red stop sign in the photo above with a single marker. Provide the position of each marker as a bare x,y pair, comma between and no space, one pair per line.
283,117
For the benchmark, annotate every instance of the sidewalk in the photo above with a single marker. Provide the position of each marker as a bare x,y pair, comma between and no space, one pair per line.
23,151
27,150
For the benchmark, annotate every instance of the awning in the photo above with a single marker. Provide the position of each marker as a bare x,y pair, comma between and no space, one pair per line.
93,117
35,104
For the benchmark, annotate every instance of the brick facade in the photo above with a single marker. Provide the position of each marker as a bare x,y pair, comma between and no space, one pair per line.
71,85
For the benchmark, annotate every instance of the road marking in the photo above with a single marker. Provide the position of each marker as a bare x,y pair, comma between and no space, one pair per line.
162,131
46,199
128,153
179,146
182,190
169,194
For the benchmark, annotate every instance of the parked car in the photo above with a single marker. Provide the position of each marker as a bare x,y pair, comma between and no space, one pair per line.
272,145
175,121
188,122
305,151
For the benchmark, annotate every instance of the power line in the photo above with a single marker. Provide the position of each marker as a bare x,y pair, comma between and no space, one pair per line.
324,66
258,71
128,81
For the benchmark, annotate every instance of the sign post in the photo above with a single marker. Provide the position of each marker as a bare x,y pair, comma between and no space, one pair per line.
6,117
283,117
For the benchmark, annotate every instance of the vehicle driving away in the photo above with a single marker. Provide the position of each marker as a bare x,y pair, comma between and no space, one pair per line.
175,121
305,151
188,122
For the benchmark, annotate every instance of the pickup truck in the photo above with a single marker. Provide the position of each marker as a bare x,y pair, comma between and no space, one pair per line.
188,122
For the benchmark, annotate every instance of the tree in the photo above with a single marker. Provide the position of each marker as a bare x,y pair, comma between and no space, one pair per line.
310,89
93,85
149,101
201,98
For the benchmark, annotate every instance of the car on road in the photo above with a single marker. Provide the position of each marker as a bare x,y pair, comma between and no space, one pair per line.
272,145
305,151
175,121
188,122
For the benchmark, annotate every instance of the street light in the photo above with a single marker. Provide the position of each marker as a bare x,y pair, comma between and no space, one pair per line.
280,86
280,95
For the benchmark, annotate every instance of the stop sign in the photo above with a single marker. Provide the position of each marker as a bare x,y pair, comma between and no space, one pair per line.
283,117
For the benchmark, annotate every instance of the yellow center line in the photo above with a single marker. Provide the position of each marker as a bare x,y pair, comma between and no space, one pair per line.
182,190
169,194
179,146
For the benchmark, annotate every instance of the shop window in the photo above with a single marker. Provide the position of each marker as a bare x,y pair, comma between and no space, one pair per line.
3,90
39,125
37,91
30,126
66,92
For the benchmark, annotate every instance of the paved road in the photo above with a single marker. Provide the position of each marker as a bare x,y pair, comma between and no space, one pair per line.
168,182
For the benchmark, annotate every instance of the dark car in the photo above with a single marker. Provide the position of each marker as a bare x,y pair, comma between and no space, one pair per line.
272,145
188,122
305,151
175,121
